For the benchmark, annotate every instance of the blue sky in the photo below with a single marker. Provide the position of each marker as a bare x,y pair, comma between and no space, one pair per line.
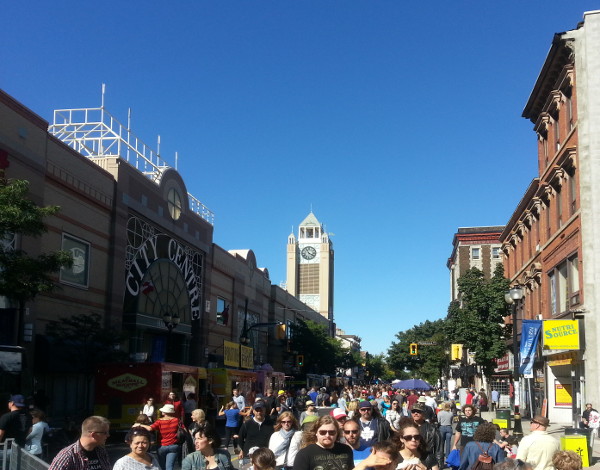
396,121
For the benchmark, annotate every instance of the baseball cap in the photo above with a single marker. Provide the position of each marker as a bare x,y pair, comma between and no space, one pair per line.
18,400
338,413
365,404
259,404
418,407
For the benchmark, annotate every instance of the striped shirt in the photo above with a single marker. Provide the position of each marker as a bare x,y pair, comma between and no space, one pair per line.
167,429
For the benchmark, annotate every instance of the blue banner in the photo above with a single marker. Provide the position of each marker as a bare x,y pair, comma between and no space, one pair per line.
529,338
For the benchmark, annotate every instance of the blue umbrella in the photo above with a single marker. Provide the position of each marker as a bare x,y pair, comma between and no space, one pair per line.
413,384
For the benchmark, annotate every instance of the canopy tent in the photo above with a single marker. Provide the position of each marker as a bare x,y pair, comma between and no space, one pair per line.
413,384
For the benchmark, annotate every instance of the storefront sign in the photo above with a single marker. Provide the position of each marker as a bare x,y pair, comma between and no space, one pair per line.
246,357
561,334
563,394
505,363
231,354
560,362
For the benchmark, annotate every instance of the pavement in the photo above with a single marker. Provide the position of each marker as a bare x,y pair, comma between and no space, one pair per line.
557,430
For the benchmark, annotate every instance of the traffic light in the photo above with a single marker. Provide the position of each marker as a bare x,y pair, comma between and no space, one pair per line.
280,332
456,352
414,349
300,360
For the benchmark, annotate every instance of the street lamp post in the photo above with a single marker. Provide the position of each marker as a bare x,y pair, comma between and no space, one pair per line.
512,297
171,322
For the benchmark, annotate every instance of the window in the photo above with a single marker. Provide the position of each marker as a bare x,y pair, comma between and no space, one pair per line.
222,311
556,127
77,274
569,98
475,253
495,252
564,285
572,193
174,202
559,211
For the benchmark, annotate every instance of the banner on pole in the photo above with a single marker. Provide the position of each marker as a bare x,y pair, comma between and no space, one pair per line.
530,334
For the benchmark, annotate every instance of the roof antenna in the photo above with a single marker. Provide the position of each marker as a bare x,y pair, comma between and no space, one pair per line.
176,159
103,91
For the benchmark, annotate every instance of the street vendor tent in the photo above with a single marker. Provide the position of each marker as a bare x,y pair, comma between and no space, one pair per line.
413,384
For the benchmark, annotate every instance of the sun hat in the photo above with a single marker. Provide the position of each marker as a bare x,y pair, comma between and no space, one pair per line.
422,400
309,402
541,420
167,409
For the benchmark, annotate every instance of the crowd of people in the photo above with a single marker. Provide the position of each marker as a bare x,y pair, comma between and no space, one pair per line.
317,429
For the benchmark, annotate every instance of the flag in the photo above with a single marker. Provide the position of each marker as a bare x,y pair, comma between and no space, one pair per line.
147,287
530,334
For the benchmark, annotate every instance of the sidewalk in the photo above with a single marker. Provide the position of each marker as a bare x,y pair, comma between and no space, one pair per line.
557,430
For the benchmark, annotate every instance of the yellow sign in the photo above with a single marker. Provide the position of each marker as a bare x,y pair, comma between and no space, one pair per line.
563,394
560,362
577,444
231,354
561,334
127,382
246,358
503,423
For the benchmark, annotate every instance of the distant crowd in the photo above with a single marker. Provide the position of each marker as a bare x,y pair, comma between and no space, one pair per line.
375,427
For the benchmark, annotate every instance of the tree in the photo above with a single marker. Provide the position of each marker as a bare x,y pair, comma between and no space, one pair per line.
476,319
23,277
322,354
377,368
83,343
431,360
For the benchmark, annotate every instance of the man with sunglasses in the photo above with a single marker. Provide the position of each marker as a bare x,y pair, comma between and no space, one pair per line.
538,447
351,430
88,453
374,428
429,431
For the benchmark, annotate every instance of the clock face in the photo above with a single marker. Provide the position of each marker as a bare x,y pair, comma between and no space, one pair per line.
308,252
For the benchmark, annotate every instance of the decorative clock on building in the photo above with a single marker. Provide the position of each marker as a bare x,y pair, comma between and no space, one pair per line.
309,252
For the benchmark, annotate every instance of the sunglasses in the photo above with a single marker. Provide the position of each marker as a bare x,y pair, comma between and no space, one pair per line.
285,422
324,432
416,411
365,409
412,437
351,431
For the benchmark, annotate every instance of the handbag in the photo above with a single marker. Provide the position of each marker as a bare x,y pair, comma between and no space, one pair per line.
453,459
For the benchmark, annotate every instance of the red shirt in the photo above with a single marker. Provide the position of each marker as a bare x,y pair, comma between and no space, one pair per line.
167,429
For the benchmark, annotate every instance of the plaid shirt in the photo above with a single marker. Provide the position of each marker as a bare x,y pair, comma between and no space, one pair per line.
74,458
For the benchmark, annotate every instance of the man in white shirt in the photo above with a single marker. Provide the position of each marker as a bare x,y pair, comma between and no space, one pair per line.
538,447
238,399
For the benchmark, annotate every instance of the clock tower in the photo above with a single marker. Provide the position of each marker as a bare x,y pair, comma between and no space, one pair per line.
310,266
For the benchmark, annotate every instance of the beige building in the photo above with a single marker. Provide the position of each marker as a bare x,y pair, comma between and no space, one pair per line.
145,258
310,266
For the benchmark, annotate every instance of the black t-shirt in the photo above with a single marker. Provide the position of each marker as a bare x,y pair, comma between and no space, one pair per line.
467,427
16,425
314,457
93,461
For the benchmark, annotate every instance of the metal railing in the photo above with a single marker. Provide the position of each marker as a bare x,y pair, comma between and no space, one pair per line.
14,457
95,133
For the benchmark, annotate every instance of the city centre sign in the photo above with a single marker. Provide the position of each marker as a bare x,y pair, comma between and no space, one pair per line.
187,266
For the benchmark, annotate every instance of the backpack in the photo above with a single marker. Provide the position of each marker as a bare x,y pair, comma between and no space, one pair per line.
484,460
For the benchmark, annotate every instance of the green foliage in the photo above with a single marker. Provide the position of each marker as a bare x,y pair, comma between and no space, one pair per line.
430,361
377,368
22,277
477,319
85,343
322,354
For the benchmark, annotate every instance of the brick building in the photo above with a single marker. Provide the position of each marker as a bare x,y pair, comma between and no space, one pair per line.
549,242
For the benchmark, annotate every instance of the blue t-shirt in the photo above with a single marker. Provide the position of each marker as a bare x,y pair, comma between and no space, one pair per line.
361,454
232,416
